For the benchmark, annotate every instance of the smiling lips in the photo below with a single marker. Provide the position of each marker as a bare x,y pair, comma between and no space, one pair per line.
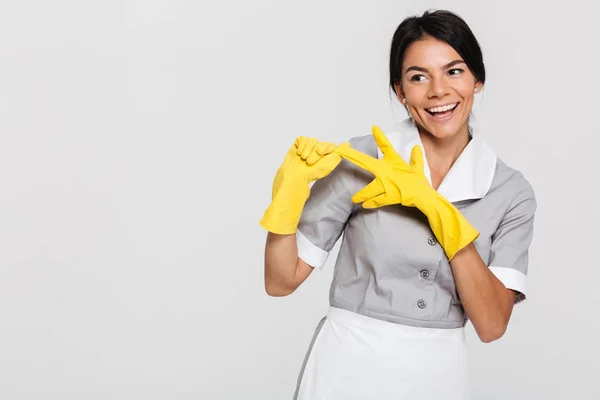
442,112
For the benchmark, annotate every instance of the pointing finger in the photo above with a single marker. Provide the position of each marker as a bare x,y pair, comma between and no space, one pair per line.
360,159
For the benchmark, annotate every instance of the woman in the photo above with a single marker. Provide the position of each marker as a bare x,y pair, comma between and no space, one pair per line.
428,243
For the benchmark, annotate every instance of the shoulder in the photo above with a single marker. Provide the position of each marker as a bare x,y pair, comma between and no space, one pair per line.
365,144
512,185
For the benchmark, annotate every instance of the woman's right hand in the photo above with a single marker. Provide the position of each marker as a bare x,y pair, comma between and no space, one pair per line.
306,161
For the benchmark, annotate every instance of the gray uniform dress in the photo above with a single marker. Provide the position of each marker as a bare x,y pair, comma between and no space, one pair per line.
390,266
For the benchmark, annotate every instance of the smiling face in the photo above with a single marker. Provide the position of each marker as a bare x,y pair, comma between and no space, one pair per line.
438,86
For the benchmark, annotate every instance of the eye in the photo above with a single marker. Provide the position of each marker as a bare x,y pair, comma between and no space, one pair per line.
455,71
417,78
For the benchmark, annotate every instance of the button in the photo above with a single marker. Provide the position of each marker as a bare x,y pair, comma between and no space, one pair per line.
424,274
421,303
432,241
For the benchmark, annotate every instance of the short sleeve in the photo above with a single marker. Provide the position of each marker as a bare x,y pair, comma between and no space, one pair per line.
509,256
326,213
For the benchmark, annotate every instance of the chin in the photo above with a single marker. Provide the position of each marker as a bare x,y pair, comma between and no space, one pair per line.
444,124
444,132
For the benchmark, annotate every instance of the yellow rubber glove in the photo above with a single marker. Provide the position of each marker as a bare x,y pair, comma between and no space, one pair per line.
306,161
397,182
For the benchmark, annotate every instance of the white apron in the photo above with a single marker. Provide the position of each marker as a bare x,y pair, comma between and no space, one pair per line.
357,357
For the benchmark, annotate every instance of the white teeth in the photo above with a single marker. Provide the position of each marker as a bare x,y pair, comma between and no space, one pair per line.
443,108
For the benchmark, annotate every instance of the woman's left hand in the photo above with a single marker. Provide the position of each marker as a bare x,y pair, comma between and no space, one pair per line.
396,182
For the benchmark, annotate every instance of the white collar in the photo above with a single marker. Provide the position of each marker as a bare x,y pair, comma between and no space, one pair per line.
471,175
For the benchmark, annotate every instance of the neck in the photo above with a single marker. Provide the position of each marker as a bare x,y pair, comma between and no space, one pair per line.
442,153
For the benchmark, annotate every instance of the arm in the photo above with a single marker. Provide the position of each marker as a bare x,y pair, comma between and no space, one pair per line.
284,271
487,302
489,293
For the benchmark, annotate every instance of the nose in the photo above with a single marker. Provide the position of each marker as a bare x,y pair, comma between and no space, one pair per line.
439,88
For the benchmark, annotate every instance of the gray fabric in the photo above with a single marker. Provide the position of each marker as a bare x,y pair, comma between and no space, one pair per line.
389,265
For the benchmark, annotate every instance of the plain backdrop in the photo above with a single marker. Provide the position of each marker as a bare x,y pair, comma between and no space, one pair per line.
138,144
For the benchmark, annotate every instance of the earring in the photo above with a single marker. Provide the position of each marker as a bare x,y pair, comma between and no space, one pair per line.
477,89
404,100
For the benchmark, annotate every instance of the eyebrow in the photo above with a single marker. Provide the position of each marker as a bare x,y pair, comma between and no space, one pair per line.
421,69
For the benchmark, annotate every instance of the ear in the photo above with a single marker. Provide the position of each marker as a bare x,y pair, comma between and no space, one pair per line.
399,91
478,87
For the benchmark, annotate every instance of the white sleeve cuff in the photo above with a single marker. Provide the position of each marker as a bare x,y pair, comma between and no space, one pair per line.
512,279
309,253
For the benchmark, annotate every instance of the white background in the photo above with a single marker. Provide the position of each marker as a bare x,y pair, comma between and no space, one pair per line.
138,143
